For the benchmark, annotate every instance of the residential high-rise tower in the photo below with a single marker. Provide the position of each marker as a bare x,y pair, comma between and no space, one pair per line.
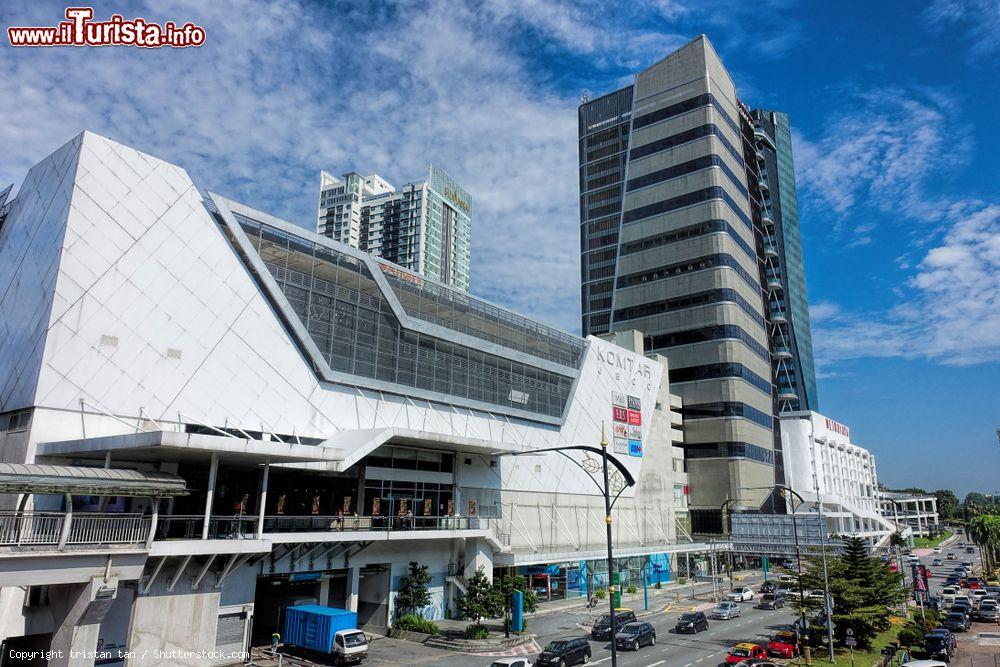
425,226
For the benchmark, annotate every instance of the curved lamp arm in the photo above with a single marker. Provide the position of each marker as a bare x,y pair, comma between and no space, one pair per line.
619,466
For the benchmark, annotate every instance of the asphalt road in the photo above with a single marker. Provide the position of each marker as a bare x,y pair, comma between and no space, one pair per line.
936,582
707,648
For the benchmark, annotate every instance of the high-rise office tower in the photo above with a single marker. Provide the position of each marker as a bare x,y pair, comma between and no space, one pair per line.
425,226
784,270
672,211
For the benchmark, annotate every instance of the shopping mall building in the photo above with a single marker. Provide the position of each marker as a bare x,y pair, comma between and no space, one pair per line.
208,414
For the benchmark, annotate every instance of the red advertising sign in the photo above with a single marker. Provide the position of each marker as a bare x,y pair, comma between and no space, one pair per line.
620,414
634,417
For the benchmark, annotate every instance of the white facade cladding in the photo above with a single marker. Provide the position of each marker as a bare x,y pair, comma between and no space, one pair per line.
914,514
822,462
333,416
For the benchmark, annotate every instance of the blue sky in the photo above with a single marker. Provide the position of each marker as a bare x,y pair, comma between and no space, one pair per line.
893,106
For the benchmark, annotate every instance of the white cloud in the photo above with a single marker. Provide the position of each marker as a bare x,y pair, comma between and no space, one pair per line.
950,310
882,162
280,91
979,18
881,150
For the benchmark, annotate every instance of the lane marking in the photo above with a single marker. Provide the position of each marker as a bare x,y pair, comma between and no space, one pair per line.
654,664
597,662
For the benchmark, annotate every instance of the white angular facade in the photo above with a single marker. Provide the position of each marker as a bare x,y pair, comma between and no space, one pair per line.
822,463
152,327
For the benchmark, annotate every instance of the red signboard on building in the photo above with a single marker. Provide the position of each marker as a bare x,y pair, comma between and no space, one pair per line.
620,414
634,417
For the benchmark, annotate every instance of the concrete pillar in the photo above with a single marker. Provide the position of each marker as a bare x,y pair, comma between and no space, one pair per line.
478,554
324,592
152,522
75,639
263,499
353,584
67,522
213,471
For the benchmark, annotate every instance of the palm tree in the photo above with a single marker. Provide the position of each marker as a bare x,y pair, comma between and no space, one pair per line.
984,530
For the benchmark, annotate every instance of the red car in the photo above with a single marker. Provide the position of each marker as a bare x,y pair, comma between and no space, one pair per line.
745,652
972,583
783,645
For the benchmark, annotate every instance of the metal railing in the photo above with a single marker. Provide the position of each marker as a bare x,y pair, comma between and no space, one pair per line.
308,524
98,528
221,527
35,528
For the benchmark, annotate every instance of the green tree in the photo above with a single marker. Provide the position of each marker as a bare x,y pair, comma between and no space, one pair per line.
896,540
413,595
947,503
481,599
507,584
984,530
863,591
871,592
975,498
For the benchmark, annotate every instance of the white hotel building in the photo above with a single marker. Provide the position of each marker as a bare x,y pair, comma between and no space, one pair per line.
825,467
208,414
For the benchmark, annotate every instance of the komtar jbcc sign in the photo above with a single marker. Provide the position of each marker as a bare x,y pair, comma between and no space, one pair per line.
629,368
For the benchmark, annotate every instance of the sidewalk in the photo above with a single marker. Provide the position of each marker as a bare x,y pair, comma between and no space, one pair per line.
670,592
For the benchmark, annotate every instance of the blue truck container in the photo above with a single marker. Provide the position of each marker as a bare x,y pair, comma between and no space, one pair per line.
314,627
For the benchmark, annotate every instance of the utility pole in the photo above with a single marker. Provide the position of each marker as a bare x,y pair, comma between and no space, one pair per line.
627,481
806,652
827,601
611,559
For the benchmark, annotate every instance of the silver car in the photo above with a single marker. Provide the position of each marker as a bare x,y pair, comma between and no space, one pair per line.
726,611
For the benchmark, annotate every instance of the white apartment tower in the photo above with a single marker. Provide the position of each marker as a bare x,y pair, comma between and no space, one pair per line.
425,226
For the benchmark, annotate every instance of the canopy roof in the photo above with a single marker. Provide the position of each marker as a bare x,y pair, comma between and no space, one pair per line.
80,480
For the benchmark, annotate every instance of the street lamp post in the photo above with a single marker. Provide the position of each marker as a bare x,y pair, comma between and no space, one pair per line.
802,596
728,527
827,606
611,560
609,502
786,490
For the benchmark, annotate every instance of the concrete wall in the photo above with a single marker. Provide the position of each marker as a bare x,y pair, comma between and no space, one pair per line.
183,621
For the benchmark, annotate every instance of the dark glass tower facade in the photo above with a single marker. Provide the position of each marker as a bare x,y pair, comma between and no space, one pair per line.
604,125
795,374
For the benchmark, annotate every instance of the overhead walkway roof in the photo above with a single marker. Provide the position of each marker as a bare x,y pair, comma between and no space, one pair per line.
80,480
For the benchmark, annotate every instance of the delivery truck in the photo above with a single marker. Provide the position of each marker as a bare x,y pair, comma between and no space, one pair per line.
326,630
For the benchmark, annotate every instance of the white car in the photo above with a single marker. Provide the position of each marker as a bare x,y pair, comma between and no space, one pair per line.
740,594
978,596
726,611
511,662
948,594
